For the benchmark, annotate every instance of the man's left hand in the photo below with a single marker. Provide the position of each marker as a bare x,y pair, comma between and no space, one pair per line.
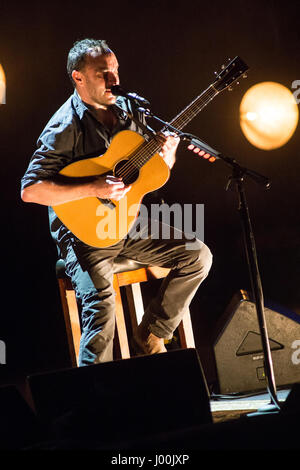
169,143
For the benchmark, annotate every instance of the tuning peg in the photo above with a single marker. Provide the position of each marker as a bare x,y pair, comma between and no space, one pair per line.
223,67
230,88
229,59
245,75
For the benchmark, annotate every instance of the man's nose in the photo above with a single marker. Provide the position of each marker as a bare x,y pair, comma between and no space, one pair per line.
112,79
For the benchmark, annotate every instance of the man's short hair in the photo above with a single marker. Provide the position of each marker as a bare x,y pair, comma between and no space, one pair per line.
80,50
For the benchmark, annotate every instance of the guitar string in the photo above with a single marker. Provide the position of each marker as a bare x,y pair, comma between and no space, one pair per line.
139,156
142,154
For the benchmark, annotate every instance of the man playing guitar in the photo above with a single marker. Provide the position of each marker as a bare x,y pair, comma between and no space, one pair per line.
81,130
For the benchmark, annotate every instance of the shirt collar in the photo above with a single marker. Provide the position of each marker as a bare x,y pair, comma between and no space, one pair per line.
79,105
82,107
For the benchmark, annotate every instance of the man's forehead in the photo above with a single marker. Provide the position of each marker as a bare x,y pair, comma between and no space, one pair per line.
101,60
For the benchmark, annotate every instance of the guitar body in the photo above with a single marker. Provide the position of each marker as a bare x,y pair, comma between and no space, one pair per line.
96,223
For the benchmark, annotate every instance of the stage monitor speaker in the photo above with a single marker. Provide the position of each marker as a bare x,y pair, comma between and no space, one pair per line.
238,347
125,398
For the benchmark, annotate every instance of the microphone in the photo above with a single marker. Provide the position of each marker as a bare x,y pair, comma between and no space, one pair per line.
117,90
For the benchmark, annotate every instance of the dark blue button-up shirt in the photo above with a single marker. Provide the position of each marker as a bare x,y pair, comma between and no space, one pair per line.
73,133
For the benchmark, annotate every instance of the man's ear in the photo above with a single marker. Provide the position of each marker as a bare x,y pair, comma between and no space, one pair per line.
77,77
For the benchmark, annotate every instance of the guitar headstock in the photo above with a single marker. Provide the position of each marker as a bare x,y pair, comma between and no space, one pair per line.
230,73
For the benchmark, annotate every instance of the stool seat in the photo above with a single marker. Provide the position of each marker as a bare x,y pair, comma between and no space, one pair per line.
121,264
128,274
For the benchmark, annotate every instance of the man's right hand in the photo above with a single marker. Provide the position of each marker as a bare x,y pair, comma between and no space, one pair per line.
109,187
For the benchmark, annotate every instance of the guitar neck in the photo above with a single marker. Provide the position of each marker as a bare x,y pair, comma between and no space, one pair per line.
179,122
188,113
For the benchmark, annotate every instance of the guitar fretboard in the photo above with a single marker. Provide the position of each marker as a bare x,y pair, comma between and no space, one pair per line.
150,148
191,111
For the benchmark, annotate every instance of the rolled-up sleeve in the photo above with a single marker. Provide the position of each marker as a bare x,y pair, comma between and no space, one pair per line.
54,151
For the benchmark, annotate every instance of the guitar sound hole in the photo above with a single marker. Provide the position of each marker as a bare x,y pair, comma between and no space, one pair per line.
127,171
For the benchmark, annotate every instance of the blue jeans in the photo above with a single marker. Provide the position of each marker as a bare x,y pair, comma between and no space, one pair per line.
91,273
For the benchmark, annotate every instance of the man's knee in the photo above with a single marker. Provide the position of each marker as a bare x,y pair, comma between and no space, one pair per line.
202,255
206,258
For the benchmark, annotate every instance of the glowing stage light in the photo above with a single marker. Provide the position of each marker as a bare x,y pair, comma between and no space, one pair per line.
2,86
268,115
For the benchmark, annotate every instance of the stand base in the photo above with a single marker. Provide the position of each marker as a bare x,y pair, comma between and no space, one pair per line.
265,410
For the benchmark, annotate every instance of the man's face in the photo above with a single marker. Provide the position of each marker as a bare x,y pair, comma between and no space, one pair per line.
95,80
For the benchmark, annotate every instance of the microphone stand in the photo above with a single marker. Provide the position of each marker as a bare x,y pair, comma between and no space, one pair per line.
237,179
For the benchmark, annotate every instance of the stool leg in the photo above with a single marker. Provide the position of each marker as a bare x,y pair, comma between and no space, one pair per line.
71,318
135,304
121,333
136,312
185,332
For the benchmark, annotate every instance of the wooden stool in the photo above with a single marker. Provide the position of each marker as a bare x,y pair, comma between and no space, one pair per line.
128,274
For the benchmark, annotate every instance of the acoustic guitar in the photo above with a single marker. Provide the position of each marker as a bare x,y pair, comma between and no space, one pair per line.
102,222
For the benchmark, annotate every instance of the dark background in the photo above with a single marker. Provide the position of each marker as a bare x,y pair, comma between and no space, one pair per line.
168,51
